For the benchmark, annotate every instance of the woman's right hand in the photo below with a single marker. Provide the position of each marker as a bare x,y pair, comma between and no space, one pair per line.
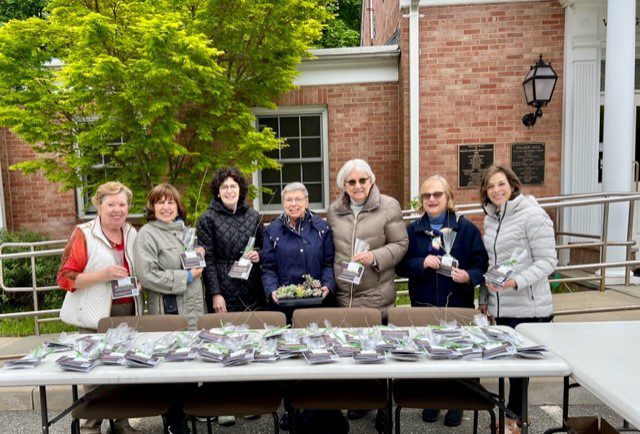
115,272
219,305
431,261
196,272
274,297
483,308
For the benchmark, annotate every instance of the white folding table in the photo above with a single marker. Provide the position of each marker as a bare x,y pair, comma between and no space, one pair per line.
49,374
604,358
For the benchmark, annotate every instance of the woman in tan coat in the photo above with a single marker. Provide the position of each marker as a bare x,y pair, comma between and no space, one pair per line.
361,212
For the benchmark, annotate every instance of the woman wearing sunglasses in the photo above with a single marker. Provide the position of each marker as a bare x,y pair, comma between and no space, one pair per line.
427,286
367,228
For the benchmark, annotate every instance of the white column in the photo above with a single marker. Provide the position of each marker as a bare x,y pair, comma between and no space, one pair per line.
618,118
414,99
582,59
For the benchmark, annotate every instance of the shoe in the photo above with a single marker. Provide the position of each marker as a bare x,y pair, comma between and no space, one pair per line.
226,420
453,418
381,418
284,421
356,414
430,415
251,417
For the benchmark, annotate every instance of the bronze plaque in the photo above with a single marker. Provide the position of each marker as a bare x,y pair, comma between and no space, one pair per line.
527,162
472,162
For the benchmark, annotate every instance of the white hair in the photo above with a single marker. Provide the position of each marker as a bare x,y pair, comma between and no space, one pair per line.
355,164
294,186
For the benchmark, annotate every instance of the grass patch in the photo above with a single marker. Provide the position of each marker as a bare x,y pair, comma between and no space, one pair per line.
25,327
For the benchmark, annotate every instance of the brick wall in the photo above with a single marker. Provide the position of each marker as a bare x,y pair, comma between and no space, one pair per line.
32,202
387,17
473,60
363,123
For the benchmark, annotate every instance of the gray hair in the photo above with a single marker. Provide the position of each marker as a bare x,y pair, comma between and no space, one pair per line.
294,186
357,164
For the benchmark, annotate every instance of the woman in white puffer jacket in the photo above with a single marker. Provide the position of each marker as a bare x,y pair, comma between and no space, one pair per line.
517,233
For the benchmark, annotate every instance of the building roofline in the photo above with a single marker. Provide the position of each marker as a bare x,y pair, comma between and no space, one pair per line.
353,53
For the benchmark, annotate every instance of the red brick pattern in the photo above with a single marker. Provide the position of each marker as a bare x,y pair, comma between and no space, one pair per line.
363,123
32,202
473,60
387,19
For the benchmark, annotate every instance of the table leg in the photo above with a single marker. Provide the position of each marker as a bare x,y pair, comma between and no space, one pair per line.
525,405
43,410
501,407
389,408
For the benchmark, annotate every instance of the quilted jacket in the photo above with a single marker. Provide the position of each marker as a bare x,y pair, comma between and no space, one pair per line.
520,230
224,235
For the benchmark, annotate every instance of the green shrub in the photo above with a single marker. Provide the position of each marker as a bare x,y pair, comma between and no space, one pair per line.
17,273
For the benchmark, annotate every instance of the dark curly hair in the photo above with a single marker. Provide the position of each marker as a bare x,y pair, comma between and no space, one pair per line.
221,175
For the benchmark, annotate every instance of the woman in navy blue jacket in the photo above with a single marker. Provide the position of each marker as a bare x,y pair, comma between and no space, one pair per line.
297,243
427,287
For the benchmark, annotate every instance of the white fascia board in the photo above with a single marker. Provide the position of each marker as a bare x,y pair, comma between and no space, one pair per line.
350,65
427,3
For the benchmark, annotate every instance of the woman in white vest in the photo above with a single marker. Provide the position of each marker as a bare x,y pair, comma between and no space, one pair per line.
98,252
518,234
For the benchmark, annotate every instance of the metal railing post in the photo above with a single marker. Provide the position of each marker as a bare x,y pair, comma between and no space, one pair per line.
34,287
627,270
605,241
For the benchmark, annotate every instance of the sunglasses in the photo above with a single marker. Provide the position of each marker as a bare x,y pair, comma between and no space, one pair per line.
436,195
352,182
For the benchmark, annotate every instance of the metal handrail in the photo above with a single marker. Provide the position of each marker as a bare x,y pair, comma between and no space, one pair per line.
553,202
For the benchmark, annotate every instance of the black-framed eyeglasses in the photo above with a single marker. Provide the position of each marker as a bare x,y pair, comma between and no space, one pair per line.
437,195
361,181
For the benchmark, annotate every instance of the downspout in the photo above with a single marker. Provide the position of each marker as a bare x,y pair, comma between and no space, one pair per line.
414,99
371,29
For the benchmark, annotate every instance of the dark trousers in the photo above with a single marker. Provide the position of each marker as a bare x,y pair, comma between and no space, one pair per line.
516,385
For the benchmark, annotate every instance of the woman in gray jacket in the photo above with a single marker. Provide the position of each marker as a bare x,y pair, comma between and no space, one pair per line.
518,234
170,288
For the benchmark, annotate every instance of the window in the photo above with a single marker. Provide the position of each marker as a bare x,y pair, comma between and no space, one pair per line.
304,159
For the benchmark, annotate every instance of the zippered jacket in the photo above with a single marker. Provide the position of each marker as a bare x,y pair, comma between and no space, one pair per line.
520,232
288,255
427,287
380,224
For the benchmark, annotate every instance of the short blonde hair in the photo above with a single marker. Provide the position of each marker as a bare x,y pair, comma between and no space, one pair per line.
108,189
451,206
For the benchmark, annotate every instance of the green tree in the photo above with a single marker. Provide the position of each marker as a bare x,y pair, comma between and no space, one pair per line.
344,30
155,90
20,9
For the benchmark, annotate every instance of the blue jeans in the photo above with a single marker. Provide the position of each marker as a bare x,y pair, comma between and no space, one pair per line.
516,385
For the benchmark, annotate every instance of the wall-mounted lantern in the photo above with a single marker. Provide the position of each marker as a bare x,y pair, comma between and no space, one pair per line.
538,85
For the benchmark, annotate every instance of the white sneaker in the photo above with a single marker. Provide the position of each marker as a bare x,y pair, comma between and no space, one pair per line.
226,420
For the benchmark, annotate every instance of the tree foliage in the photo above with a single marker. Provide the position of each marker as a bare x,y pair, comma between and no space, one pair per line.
20,9
156,90
344,30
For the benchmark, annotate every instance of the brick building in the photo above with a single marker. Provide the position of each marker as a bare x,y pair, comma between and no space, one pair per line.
435,87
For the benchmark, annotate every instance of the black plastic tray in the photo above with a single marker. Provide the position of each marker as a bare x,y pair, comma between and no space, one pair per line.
300,302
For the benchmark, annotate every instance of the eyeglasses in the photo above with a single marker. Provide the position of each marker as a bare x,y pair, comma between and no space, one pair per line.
229,187
352,182
294,199
436,195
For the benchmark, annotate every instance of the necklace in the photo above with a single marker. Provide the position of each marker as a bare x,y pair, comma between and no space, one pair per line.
113,243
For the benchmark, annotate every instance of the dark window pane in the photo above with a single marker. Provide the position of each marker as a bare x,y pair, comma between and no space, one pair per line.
291,173
275,154
271,198
311,148
291,151
315,192
270,176
268,122
310,125
312,172
289,127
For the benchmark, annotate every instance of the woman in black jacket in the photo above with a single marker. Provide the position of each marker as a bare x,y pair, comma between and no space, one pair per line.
224,231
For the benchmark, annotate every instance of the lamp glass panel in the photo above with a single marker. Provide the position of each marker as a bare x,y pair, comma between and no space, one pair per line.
544,89
528,91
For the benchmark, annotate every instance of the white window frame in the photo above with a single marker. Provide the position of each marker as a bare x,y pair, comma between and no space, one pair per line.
324,143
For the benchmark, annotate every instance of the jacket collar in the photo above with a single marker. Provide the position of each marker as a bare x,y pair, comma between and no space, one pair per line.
508,207
450,221
96,231
343,205
219,207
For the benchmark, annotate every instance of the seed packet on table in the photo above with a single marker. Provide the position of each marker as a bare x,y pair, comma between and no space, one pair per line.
79,364
369,356
140,360
314,357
